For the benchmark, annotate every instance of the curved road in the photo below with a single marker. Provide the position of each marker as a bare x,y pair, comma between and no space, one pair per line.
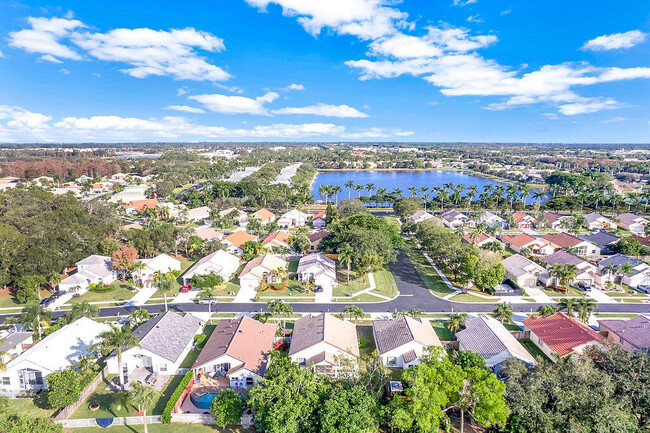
413,294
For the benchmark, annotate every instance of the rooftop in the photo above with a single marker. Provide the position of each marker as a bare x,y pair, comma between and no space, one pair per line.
391,334
562,333
311,330
168,334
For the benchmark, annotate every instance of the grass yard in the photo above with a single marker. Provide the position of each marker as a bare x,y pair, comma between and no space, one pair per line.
178,283
293,267
534,350
110,405
160,428
628,291
357,282
392,220
120,291
32,407
429,275
468,297
443,333
561,293
191,357
366,339
7,300
293,290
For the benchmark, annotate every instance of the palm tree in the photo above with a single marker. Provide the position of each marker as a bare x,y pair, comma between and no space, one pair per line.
499,193
370,187
54,280
567,304
557,271
346,255
425,200
456,322
336,190
586,307
139,316
142,397
570,272
625,269
538,195
323,190
117,339
82,309
349,185
503,312
358,188
3,356
33,314
524,191
645,195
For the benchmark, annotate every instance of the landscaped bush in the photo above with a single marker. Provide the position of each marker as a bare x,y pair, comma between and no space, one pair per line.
200,340
100,288
167,412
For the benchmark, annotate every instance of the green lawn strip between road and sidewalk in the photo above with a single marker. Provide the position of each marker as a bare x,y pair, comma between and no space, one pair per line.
429,275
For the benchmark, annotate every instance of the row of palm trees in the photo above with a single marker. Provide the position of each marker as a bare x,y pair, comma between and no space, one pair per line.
450,193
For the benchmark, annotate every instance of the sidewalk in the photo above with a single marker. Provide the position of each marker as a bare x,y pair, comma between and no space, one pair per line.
142,296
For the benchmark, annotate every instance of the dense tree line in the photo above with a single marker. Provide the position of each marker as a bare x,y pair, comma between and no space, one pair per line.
42,234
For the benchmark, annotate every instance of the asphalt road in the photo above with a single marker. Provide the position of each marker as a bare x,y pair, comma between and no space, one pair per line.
413,294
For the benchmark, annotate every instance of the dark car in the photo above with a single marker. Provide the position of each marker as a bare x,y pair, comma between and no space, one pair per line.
318,289
47,301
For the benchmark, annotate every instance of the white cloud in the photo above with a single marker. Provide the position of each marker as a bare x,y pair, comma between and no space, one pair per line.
505,12
145,51
20,125
614,119
458,39
404,46
293,86
184,108
182,91
615,41
236,104
44,37
366,19
233,89
589,105
463,2
1,55
323,110
475,19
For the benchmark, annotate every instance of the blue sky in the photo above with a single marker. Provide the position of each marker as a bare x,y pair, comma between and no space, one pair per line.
336,70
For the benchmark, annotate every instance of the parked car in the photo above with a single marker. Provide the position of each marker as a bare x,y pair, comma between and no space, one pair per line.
186,288
644,288
47,301
318,289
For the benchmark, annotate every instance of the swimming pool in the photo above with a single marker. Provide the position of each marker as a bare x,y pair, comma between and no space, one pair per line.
203,401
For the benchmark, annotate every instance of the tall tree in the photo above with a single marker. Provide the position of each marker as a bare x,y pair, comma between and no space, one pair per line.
117,339
142,397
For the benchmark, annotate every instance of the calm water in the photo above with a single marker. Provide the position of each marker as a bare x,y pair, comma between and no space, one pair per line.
390,180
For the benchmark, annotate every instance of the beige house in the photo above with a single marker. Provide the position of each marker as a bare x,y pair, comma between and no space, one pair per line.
402,341
522,271
324,343
261,268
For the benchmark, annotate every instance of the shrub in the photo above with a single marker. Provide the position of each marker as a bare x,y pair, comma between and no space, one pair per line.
100,288
227,408
167,412
200,340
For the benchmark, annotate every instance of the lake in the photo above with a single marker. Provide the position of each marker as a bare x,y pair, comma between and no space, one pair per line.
390,180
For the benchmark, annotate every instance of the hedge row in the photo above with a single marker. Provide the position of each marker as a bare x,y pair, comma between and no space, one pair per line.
167,413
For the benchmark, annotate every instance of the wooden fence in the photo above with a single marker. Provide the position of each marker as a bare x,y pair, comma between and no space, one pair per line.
67,411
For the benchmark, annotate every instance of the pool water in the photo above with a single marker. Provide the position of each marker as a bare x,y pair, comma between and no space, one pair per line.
203,401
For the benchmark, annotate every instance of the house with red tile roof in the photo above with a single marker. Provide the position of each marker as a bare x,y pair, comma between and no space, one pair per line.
579,246
264,215
561,335
137,206
235,240
319,220
537,246
316,238
554,220
524,220
279,239
481,240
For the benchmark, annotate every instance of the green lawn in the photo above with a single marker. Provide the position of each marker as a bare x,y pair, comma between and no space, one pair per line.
8,301
429,275
440,326
293,289
468,297
628,291
366,339
357,283
31,407
534,350
392,220
293,267
189,360
120,291
110,406
555,293
178,283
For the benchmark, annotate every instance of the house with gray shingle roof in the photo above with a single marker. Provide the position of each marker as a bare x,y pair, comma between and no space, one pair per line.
602,239
165,341
632,335
490,339
402,341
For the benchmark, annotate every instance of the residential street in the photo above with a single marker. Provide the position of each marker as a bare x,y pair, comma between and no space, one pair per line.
413,294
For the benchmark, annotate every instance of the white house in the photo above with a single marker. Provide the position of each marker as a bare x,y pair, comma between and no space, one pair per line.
56,352
238,349
521,241
165,341
587,273
454,219
199,214
318,221
322,342
293,218
319,269
402,341
94,269
634,223
261,268
596,221
236,240
420,216
522,271
219,263
161,263
15,343
492,219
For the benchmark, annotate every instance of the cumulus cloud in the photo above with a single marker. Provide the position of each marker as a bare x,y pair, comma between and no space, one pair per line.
323,110
20,125
615,41
447,57
236,104
475,19
463,2
185,108
366,19
146,52
293,86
